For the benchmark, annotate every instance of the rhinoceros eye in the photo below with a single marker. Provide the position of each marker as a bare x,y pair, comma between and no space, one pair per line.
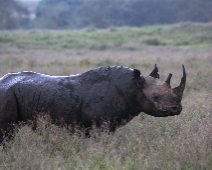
155,97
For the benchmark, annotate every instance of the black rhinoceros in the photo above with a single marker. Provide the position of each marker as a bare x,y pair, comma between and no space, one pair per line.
113,93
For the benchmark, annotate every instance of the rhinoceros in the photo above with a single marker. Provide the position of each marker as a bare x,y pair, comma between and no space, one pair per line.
112,94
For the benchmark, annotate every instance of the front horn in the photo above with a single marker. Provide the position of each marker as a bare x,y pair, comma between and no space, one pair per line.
179,89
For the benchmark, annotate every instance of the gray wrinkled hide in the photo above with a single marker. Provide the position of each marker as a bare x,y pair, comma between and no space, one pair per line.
106,93
113,94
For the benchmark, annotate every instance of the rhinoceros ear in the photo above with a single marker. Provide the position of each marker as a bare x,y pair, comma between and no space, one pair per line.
154,72
136,73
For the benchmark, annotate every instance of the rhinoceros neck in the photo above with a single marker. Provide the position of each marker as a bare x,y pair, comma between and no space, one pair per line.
108,80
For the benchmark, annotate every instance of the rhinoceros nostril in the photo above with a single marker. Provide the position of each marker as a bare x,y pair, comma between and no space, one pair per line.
176,109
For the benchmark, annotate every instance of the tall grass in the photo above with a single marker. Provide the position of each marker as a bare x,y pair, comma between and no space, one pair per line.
177,143
182,142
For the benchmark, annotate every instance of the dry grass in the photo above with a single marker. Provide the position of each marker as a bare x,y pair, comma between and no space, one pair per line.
180,142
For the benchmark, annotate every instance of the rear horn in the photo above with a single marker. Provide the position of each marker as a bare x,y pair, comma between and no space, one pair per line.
168,80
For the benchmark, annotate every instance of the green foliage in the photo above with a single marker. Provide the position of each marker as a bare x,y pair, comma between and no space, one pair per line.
106,62
104,14
4,39
187,35
145,64
66,14
12,63
12,15
154,42
62,14
84,62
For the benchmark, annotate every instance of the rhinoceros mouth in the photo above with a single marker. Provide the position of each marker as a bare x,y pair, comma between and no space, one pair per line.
168,111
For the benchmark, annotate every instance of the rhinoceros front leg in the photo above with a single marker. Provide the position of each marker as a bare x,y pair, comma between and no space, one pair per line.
6,130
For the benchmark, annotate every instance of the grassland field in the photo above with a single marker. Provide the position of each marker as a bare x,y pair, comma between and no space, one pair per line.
182,142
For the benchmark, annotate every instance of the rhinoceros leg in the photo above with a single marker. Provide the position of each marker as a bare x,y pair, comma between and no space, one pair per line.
6,130
8,114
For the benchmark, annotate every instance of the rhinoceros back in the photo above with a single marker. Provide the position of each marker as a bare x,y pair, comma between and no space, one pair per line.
38,93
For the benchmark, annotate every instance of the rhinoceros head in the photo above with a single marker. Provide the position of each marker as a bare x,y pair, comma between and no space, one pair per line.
161,100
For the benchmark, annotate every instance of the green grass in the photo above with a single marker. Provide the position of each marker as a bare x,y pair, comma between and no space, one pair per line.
188,35
175,143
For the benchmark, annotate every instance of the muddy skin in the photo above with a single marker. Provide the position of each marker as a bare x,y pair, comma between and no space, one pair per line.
114,94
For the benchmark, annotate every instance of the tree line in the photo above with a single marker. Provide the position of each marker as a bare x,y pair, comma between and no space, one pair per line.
12,14
65,14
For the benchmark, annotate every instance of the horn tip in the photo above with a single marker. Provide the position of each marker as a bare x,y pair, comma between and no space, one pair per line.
184,71
156,67
183,66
